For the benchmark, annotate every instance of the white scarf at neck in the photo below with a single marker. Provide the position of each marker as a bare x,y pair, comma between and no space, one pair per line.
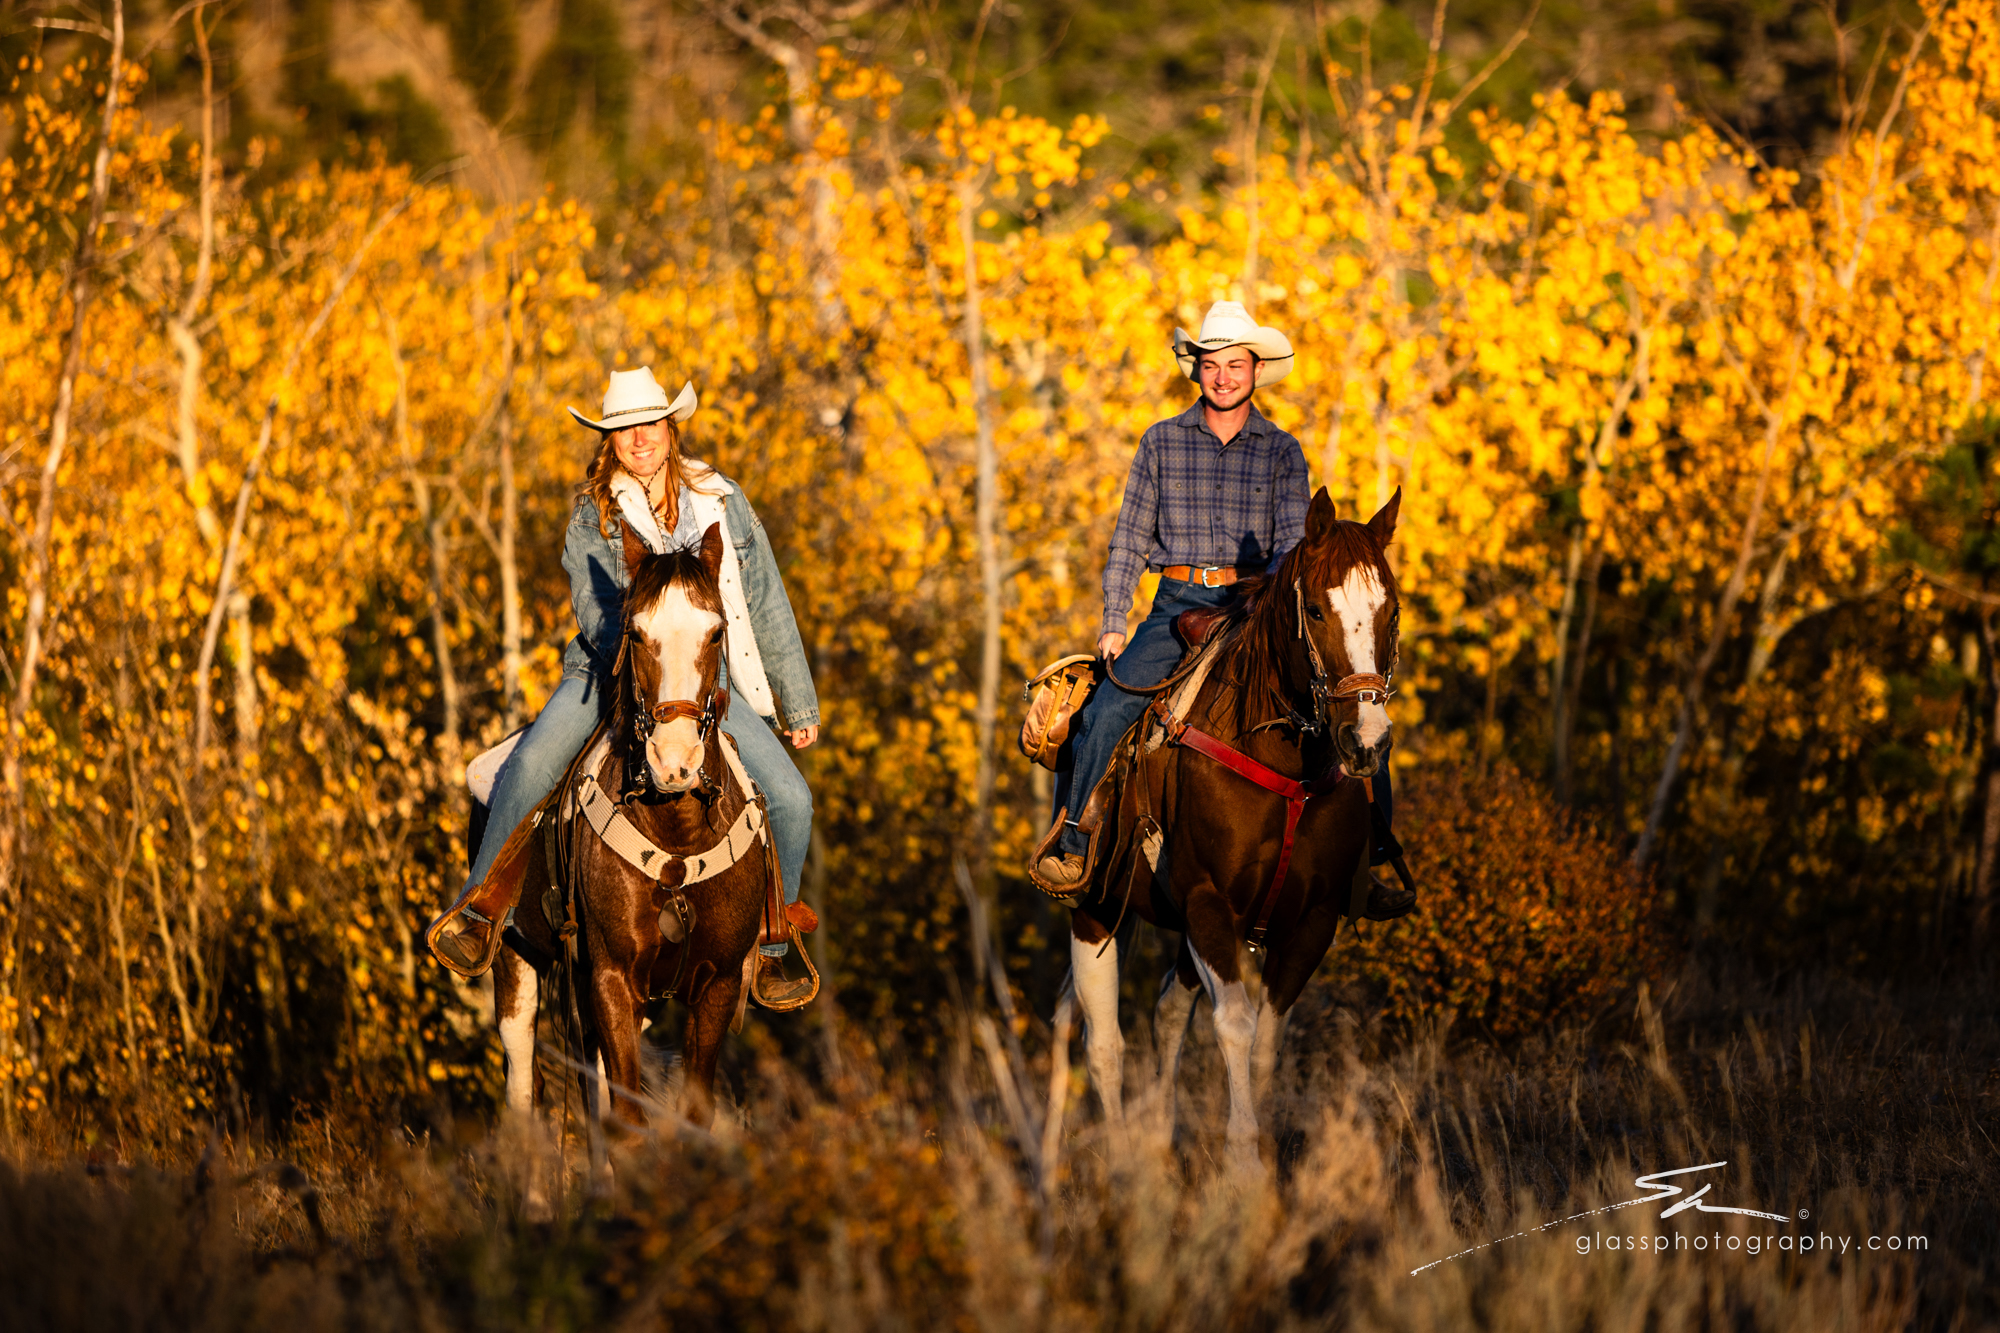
637,508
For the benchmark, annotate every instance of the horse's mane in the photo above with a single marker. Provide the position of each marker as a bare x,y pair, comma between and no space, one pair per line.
1263,619
683,568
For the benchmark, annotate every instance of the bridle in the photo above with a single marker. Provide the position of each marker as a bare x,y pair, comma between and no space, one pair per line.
707,714
1361,687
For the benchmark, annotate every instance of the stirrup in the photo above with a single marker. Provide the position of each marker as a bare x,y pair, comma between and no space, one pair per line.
812,976
1069,895
434,933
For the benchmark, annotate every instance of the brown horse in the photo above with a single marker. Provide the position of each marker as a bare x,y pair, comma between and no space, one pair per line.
660,766
1203,843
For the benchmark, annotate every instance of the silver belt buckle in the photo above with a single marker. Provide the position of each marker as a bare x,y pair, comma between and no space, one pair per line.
1205,571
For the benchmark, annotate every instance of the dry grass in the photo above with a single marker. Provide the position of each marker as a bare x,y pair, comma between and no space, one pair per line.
870,1198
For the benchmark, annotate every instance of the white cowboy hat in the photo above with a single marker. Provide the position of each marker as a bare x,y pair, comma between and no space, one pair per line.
634,398
1228,324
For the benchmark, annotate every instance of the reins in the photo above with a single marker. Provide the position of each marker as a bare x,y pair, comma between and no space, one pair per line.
1180,674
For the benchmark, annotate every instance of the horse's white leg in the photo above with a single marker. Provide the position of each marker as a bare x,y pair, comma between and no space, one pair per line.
1095,970
517,995
1236,1032
1264,1051
1171,1015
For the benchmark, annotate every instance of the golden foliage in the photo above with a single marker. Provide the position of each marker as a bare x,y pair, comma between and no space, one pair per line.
1717,384
1528,922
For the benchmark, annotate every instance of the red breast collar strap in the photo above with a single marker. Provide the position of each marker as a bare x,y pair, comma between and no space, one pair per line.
1296,795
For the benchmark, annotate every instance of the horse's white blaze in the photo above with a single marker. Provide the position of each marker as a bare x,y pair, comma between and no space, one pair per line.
517,1040
1356,603
676,629
1236,1033
1095,976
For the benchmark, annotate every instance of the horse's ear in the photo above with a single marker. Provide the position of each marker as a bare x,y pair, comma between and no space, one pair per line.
1383,525
711,550
1319,518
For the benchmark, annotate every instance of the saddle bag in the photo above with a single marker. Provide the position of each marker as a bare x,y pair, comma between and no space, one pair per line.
1054,696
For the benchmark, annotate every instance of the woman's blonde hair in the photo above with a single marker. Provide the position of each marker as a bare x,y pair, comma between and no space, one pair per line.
597,480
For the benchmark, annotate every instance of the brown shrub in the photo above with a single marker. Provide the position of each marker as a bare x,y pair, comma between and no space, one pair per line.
1525,917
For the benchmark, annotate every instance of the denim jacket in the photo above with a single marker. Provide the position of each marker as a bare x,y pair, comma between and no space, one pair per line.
598,579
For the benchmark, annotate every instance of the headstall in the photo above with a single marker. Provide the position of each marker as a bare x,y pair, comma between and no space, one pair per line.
1361,687
706,713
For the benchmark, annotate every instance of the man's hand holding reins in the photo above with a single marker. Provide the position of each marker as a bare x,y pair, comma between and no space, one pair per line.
1111,645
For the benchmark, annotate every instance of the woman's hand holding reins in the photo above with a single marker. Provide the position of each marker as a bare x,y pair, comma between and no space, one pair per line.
804,736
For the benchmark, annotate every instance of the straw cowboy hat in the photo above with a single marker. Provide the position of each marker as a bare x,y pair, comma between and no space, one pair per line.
634,398
1228,324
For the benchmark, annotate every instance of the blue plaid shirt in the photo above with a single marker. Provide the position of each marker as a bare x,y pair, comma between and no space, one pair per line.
1192,500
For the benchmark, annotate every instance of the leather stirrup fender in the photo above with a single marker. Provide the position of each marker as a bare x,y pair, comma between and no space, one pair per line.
780,926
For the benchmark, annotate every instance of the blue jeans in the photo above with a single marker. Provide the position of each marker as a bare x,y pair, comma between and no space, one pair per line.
1151,654
1146,660
540,758
563,728
785,791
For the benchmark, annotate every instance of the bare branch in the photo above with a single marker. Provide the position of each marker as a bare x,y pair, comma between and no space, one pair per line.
1492,67
73,25
1430,74
1956,589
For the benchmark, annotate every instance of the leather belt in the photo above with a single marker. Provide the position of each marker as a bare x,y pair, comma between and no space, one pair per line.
1208,576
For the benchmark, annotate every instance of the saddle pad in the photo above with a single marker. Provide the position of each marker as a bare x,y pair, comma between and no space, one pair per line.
592,763
484,770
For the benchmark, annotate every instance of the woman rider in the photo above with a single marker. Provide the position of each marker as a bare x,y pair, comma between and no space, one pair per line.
640,478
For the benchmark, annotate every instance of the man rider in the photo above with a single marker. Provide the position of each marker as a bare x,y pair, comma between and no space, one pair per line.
1215,494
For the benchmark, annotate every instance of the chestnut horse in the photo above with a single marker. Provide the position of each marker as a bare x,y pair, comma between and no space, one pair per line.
1209,846
660,764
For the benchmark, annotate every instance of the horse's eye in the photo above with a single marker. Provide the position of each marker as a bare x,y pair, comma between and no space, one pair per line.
1314,613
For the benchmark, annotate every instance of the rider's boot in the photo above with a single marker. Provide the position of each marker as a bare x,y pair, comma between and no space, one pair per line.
1377,899
462,943
1063,869
1054,871
1386,901
773,989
